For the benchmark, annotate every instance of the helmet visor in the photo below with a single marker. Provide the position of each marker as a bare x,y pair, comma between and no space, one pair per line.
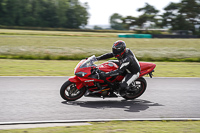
116,53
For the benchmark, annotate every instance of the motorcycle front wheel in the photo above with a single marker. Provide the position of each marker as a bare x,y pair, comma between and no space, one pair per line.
138,88
69,92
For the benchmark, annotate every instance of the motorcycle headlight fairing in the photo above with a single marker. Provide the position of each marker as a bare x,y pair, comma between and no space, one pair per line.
80,74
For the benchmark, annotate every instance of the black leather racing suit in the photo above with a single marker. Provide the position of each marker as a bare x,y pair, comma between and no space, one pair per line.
127,63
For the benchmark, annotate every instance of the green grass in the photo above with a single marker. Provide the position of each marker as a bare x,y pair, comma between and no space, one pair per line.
10,67
57,33
121,127
60,45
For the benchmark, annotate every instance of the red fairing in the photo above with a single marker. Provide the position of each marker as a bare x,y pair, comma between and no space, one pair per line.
81,82
77,81
107,66
88,81
110,66
78,69
74,79
146,67
83,71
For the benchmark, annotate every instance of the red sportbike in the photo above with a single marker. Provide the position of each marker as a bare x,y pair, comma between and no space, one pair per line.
87,81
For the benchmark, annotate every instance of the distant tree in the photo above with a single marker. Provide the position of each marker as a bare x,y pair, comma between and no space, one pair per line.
182,16
129,21
149,14
142,19
190,10
148,10
177,16
116,22
61,7
43,13
170,15
97,27
77,15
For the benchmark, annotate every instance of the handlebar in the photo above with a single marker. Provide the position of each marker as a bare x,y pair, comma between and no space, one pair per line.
95,70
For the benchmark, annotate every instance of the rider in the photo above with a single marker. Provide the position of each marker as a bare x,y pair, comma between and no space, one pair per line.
127,62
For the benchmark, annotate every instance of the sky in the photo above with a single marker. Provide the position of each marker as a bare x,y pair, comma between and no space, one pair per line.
101,10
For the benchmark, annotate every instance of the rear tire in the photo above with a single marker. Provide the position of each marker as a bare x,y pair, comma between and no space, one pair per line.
140,85
69,92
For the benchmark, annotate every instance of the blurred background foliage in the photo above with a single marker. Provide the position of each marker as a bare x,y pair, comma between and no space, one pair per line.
43,13
184,15
73,14
51,31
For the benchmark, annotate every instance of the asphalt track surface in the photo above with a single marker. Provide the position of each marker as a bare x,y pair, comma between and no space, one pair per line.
38,99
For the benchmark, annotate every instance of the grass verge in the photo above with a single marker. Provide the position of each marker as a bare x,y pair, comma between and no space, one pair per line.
57,45
10,67
121,127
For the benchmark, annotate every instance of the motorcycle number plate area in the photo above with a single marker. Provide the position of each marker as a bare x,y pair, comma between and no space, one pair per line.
89,81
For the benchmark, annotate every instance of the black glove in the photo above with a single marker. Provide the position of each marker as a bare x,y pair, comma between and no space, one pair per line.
97,58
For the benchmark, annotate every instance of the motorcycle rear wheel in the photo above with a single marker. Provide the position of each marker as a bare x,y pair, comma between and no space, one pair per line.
69,92
141,85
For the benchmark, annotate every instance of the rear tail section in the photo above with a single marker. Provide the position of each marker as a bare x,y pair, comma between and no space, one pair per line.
146,68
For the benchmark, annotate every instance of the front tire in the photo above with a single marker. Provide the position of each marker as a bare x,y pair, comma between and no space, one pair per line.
139,87
69,92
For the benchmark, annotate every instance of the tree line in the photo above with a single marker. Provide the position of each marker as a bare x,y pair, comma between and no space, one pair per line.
43,13
184,15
